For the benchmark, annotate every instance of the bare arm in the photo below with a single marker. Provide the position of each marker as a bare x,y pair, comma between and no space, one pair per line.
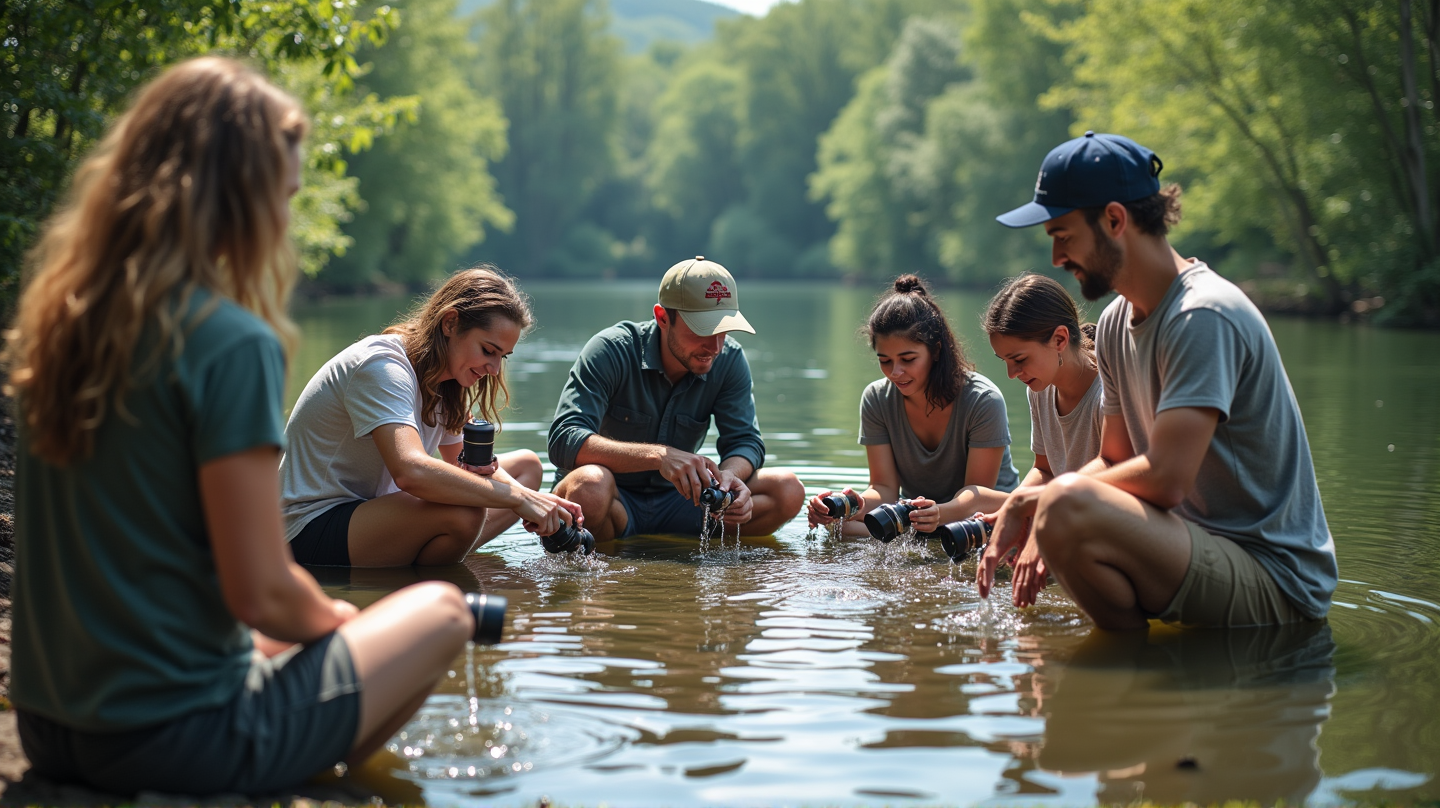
1040,473
1165,473
433,480
982,466
1115,446
261,583
690,473
982,469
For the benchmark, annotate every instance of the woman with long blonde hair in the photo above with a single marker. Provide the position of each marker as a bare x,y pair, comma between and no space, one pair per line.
360,483
163,638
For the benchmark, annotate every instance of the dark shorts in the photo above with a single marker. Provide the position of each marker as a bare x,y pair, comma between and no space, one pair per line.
325,540
295,716
664,513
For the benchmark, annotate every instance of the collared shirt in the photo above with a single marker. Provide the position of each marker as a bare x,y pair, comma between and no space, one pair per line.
618,389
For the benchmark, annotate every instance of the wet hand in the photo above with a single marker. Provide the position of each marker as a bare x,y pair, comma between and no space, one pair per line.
926,516
1012,525
1030,575
542,512
689,473
741,506
819,515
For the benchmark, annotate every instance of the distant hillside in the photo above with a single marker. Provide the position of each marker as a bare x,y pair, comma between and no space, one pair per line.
640,22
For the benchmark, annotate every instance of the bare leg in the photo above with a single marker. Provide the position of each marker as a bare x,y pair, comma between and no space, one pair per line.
1118,556
524,466
398,530
400,647
776,497
593,489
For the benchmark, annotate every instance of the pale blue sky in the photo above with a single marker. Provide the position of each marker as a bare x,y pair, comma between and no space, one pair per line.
756,7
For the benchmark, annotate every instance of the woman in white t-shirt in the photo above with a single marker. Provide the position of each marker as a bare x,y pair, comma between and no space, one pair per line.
934,430
1034,325
360,485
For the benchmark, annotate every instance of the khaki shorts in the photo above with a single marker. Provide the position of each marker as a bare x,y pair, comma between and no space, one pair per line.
1226,586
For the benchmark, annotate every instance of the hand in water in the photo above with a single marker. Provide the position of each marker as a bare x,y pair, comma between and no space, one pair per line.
1030,574
1012,526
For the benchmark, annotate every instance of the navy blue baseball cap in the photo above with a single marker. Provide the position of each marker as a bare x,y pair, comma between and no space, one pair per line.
1090,171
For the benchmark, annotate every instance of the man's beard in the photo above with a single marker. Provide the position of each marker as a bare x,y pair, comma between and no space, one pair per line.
672,344
1100,269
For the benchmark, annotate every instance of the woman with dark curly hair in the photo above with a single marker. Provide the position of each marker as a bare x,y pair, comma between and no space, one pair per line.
934,430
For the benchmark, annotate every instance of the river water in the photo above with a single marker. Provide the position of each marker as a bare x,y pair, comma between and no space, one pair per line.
800,670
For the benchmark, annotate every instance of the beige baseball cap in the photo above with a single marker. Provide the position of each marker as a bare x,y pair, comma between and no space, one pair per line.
704,293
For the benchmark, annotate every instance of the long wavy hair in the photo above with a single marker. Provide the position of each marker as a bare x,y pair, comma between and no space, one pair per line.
188,191
1031,307
909,311
477,296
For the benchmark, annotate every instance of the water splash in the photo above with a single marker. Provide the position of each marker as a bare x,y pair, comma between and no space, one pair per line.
470,699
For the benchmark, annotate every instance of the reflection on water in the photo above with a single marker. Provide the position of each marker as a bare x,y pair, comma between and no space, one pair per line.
1200,716
802,668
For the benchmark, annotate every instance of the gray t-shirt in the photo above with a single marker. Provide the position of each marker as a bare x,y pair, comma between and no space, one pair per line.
977,421
1068,441
330,455
1206,345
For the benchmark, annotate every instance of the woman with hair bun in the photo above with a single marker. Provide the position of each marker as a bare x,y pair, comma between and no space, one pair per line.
934,430
1034,326
164,638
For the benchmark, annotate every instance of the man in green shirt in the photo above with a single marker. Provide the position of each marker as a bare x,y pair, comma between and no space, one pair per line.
637,405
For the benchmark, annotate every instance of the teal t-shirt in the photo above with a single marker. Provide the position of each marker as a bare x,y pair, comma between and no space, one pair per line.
119,621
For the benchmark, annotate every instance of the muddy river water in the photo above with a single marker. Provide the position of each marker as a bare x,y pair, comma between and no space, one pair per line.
799,670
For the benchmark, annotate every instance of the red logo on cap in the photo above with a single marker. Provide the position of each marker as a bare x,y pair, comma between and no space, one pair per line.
718,291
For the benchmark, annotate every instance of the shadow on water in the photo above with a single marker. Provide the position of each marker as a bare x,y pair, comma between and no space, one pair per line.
1193,716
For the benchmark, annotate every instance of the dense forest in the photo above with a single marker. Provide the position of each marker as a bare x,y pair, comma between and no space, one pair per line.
827,139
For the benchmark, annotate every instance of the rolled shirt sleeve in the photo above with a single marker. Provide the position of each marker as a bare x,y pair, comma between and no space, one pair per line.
735,416
592,383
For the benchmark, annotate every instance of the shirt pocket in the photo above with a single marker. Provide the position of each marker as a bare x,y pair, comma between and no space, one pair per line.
625,424
688,433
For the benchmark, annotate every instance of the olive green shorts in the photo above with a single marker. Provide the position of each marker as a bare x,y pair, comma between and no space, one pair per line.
1226,586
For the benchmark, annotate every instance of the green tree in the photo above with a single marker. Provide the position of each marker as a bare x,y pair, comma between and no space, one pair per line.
693,164
555,71
72,64
1313,117
429,195
931,148
800,63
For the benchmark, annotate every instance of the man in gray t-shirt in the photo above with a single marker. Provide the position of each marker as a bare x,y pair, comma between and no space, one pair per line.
1202,507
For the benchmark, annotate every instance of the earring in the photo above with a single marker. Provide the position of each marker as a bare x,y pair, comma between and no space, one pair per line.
1062,360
